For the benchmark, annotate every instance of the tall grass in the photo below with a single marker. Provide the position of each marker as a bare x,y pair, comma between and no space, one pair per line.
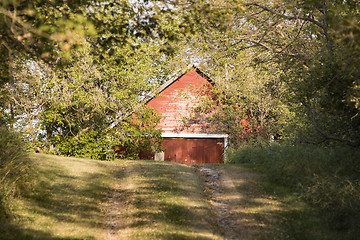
327,178
14,169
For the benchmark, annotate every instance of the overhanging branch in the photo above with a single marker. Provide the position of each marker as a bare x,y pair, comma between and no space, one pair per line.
308,19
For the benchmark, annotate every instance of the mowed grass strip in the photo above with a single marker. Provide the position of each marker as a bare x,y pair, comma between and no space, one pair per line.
87,199
65,202
159,200
166,201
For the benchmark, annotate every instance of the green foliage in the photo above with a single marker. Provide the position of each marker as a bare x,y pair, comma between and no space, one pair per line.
74,70
64,110
139,136
328,178
36,29
134,136
317,64
15,169
247,103
89,144
298,59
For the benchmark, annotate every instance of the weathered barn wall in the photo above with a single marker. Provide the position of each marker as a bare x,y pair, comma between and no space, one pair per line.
190,142
176,101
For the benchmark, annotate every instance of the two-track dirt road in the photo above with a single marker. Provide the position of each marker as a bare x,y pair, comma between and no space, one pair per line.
204,202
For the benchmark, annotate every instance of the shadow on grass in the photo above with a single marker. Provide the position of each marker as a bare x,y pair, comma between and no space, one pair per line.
10,231
59,200
167,204
268,210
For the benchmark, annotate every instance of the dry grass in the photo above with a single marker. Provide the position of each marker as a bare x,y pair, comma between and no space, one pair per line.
166,201
65,201
89,199
264,210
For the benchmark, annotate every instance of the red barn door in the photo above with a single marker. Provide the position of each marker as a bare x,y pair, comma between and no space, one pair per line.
194,150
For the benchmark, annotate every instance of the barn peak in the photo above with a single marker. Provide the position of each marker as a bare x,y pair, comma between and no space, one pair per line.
190,68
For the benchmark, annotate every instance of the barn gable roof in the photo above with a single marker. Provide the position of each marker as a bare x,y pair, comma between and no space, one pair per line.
161,89
175,78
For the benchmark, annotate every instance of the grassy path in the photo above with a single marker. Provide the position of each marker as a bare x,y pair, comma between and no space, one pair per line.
253,213
88,199
65,202
261,210
164,201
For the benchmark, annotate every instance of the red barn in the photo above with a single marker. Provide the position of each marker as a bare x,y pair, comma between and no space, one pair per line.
192,141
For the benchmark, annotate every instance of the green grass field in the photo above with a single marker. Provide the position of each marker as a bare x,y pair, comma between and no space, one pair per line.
64,202
75,198
72,197
326,179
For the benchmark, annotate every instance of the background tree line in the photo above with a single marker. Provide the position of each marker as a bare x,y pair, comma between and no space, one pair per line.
289,66
72,72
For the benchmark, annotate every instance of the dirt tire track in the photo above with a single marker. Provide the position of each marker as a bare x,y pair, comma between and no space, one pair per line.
214,186
116,205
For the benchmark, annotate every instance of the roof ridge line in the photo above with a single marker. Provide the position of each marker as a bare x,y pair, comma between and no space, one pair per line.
176,77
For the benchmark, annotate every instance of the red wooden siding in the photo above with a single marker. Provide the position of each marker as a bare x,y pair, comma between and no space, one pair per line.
194,151
175,102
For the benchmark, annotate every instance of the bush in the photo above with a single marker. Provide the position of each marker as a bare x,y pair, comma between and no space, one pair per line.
327,178
14,169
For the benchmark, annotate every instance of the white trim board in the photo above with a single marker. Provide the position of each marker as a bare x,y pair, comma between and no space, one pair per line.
193,135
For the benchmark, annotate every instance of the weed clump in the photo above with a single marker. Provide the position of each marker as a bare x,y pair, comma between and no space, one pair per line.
14,169
327,178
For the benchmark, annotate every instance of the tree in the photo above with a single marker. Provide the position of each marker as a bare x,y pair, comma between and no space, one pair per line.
90,96
308,48
76,70
33,32
34,29
304,38
248,102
